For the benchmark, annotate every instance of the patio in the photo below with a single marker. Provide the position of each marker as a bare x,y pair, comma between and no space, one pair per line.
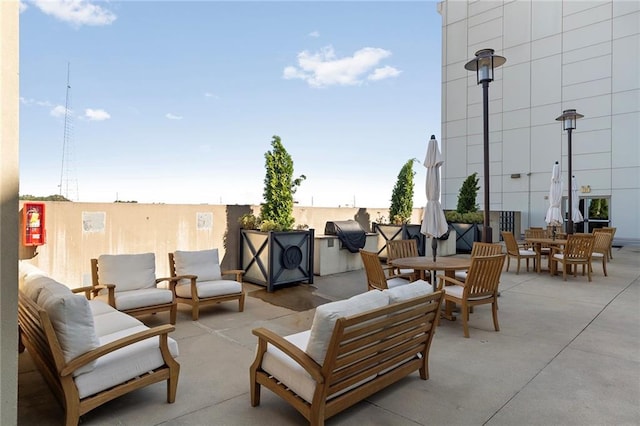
568,353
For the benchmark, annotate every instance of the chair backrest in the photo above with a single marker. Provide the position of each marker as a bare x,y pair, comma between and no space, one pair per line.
579,246
602,242
535,233
401,248
485,249
126,271
204,264
484,275
376,278
608,230
510,242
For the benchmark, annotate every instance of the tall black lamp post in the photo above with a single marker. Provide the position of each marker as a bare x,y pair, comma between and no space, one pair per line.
569,118
484,64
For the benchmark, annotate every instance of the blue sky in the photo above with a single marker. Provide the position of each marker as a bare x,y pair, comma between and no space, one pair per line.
177,102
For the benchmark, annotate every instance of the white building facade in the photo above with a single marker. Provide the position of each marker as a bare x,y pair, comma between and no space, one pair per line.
560,55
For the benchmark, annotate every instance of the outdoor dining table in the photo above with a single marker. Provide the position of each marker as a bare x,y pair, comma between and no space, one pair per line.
538,242
448,264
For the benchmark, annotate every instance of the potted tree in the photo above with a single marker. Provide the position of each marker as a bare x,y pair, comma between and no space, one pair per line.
398,226
466,217
272,253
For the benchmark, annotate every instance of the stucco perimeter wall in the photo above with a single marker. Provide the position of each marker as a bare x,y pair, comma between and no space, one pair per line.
78,232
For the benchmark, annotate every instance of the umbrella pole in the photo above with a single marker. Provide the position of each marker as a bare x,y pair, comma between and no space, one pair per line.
434,247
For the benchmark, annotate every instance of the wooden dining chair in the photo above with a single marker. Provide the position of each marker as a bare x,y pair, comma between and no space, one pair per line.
516,250
578,251
612,231
601,244
480,287
479,249
377,278
545,249
402,248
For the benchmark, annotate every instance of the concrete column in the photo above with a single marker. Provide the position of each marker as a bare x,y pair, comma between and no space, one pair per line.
9,177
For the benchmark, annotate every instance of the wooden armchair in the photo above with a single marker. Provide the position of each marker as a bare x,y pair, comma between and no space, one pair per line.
611,231
517,251
601,246
199,280
402,248
128,283
578,251
480,287
377,279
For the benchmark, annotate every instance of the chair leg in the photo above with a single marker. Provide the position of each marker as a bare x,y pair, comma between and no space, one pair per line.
241,303
564,271
173,313
604,266
494,309
508,262
464,313
518,268
195,312
255,389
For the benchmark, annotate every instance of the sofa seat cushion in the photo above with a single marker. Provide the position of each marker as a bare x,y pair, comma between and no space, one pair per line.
123,364
326,315
139,298
100,307
409,291
113,322
204,264
291,374
128,271
210,288
72,321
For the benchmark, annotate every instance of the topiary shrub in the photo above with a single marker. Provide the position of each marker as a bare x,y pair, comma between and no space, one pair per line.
468,194
279,187
402,195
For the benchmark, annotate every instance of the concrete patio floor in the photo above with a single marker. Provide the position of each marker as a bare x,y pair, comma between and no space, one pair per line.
568,353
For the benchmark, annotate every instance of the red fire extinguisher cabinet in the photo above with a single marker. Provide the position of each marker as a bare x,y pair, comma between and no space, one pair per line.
33,221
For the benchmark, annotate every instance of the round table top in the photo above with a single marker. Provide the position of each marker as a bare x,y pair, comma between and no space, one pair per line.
549,240
442,263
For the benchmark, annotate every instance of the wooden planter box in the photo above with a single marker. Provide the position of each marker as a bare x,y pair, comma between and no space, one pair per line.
276,259
398,232
466,234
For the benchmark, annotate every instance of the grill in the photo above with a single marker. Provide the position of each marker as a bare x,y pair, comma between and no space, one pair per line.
351,235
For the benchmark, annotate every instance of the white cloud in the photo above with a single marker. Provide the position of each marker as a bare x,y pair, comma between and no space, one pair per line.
324,68
314,34
173,116
76,12
211,95
58,111
384,72
96,114
31,101
23,6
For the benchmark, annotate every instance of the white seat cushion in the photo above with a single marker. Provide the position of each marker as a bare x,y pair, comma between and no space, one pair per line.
527,252
204,264
456,291
598,255
114,321
127,271
409,291
461,275
139,298
560,256
210,288
326,315
395,282
124,364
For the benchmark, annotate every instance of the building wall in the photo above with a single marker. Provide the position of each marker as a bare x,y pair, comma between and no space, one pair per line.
9,23
78,232
560,55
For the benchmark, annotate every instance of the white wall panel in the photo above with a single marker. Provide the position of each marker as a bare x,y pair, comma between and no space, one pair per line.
626,178
626,64
456,99
545,84
595,141
587,89
516,148
517,25
624,7
517,55
456,128
590,163
456,42
625,205
548,46
517,85
546,19
625,134
587,17
625,102
456,10
516,119
546,147
571,7
586,36
593,51
589,69
546,114
627,25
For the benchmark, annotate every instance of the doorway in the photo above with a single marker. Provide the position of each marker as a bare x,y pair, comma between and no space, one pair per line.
595,211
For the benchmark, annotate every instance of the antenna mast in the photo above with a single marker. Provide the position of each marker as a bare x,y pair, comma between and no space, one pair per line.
68,181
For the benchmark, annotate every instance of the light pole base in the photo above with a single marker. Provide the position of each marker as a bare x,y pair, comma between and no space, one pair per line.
487,234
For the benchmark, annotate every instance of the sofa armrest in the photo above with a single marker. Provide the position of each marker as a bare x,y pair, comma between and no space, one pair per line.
237,272
299,356
162,330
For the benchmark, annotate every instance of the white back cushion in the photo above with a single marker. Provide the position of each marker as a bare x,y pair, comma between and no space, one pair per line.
127,271
326,315
202,263
72,321
409,291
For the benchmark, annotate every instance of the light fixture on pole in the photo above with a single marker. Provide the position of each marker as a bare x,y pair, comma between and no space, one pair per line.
484,64
569,118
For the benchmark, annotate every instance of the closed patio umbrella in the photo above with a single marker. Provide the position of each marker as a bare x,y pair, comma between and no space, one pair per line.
554,214
434,224
576,215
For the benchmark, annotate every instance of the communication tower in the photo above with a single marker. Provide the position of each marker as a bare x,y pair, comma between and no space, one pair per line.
68,179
